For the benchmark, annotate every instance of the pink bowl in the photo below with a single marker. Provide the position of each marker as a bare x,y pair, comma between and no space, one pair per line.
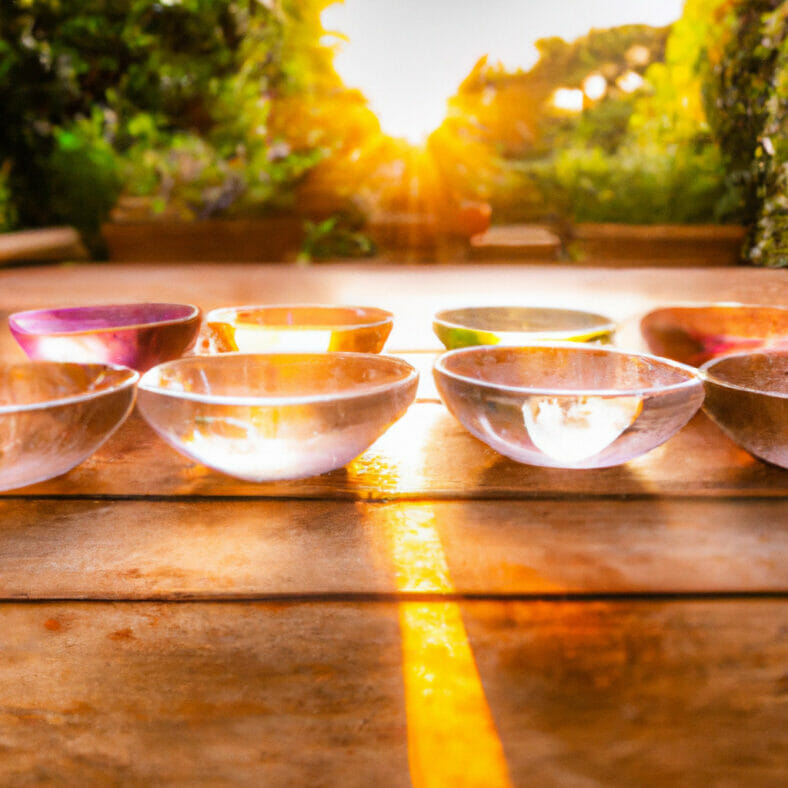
139,336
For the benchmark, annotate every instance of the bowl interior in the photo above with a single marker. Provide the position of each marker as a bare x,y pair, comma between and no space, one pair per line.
694,334
537,320
277,375
42,382
760,372
300,316
564,369
98,318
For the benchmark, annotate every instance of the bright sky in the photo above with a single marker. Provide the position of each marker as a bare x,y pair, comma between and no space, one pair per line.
409,56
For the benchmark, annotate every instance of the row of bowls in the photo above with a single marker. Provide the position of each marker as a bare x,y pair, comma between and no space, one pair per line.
323,396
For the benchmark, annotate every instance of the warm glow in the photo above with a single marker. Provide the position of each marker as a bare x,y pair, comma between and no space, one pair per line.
569,99
595,86
452,739
630,81
408,57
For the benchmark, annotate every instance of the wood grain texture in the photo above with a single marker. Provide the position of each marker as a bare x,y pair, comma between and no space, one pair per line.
427,455
684,693
231,549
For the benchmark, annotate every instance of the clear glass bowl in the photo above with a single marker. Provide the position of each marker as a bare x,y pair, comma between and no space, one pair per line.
55,415
265,417
132,335
567,405
747,397
519,325
696,333
298,328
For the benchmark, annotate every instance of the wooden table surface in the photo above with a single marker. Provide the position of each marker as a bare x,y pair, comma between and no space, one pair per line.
432,614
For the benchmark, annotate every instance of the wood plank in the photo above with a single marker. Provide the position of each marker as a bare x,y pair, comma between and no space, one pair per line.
412,293
251,549
429,455
690,693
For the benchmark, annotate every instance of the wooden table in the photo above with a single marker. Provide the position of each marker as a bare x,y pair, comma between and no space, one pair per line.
432,614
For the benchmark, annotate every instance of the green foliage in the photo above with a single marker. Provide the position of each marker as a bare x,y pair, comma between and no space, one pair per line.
747,99
334,237
653,185
642,156
7,207
174,99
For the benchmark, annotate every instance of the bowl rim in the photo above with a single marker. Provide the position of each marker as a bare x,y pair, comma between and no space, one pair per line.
601,325
130,382
708,376
384,316
277,401
13,320
693,377
696,306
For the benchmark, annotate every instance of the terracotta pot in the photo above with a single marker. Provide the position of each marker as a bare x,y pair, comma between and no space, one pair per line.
659,244
211,240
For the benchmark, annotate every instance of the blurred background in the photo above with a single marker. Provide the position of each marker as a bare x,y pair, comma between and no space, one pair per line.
435,131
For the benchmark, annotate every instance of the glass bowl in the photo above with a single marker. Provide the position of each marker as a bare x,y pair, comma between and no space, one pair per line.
55,415
518,325
747,397
299,328
266,417
694,334
132,335
567,405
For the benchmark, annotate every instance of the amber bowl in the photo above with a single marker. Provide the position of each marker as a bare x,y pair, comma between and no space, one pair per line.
138,336
519,325
298,328
567,405
265,417
55,415
747,396
695,334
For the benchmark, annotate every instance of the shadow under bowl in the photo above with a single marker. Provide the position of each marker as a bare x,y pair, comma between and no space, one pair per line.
138,336
55,415
695,334
747,397
299,328
267,417
567,405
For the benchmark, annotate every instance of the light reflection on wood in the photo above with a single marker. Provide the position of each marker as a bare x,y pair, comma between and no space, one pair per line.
452,738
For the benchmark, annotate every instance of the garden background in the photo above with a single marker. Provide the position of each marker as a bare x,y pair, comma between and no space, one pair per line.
199,110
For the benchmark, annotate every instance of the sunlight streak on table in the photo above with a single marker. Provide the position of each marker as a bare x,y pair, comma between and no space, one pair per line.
452,738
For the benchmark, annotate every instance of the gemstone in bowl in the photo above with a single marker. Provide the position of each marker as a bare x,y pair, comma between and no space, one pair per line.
747,397
138,336
299,328
694,334
266,417
567,405
519,325
55,415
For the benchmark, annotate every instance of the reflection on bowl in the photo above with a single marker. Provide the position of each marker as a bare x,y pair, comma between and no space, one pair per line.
747,396
518,325
299,329
264,417
567,405
55,415
132,335
695,334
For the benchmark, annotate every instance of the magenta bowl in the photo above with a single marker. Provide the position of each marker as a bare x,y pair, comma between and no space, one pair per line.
138,336
54,415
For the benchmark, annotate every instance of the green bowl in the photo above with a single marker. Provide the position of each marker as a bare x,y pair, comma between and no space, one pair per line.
519,325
